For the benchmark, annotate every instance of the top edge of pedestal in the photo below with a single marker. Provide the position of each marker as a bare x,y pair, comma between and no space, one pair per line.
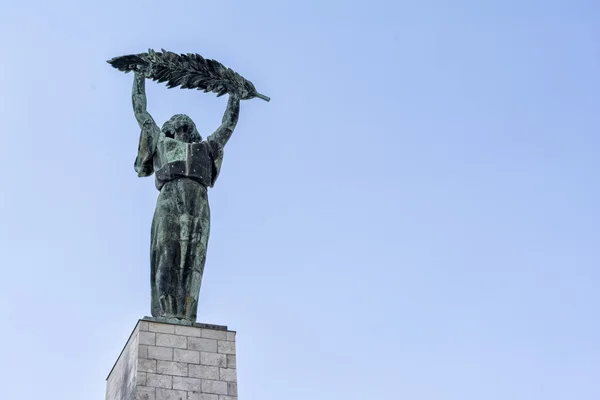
194,324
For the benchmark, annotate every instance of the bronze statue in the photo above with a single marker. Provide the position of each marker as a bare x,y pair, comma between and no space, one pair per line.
184,166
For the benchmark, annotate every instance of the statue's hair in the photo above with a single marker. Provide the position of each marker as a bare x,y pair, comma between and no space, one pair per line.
182,118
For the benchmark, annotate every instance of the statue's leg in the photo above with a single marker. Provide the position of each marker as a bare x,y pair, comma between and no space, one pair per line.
196,261
164,257
198,232
167,278
185,226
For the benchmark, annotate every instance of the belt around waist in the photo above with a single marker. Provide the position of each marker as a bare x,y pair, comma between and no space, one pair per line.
179,169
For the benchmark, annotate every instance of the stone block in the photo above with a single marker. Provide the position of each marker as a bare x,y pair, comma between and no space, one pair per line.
168,340
187,384
144,365
188,331
227,398
207,345
148,338
160,353
172,368
227,375
202,396
231,336
232,388
218,360
142,351
186,356
214,334
145,393
169,394
141,378
160,381
226,347
160,327
231,361
214,387
203,371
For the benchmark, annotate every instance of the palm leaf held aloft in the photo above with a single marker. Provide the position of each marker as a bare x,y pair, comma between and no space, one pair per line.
189,71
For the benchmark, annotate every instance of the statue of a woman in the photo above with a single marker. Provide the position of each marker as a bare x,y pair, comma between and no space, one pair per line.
184,166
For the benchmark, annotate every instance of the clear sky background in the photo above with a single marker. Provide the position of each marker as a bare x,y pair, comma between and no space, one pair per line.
415,214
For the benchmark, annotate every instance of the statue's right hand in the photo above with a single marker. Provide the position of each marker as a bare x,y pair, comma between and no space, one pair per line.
143,72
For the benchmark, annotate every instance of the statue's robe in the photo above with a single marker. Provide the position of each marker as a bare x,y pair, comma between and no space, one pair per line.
181,223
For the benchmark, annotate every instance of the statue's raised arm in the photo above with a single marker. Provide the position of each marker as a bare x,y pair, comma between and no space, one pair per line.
229,121
150,131
140,103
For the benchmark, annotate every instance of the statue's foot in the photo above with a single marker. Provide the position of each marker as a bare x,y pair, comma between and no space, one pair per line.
180,321
166,305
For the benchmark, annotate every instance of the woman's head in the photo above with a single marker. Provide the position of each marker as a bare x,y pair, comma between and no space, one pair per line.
181,127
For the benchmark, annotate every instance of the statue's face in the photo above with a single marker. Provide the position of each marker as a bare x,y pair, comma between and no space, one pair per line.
181,127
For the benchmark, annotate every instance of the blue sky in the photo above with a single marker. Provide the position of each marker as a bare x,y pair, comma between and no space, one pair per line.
414,215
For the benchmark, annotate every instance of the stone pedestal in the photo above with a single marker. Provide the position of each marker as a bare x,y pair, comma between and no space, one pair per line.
163,361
